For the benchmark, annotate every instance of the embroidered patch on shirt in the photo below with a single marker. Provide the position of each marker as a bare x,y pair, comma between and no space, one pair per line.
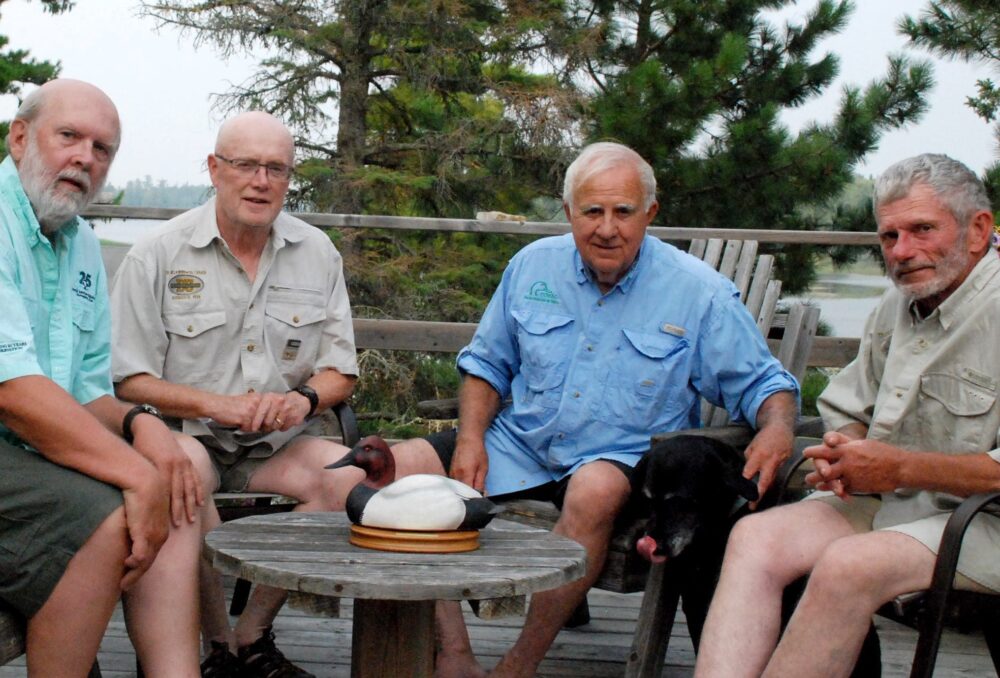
673,329
540,292
185,285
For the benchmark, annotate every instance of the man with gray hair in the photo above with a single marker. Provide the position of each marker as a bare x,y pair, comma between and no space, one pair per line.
88,484
600,338
912,427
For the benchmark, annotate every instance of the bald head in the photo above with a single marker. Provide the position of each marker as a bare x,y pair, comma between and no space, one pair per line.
253,128
250,169
66,91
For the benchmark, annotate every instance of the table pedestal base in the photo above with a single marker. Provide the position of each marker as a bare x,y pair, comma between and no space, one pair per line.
393,638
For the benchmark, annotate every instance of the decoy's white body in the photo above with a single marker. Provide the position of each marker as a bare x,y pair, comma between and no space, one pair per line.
418,502
423,502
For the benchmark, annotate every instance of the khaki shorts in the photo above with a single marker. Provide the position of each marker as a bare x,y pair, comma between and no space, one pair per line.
860,513
47,512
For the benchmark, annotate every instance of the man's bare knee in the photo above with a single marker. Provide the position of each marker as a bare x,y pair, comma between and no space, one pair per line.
416,455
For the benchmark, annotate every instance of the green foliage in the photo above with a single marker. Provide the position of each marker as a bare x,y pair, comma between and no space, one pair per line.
812,385
698,88
969,30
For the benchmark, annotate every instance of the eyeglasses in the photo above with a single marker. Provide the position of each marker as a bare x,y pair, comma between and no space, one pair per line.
248,168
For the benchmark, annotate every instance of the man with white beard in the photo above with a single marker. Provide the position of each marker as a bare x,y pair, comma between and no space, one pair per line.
912,427
88,484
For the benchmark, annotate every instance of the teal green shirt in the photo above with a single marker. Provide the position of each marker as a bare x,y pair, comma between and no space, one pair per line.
53,300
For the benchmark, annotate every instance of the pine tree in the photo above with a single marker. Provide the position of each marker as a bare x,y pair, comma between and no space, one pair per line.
968,30
698,88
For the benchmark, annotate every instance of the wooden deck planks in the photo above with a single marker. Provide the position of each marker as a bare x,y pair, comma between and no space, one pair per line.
597,650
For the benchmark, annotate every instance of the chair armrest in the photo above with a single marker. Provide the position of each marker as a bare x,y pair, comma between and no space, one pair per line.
951,540
348,423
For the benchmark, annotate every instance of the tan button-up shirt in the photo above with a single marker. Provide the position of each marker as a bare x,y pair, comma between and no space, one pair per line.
184,310
928,384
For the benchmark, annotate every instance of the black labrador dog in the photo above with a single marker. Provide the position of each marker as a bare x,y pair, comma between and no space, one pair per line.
687,492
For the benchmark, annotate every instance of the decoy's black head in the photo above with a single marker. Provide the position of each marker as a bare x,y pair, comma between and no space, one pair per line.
373,455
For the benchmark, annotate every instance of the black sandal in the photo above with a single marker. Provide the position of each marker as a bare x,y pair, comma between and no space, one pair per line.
262,659
220,662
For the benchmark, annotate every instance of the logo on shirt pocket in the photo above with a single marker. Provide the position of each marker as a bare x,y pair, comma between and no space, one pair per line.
184,285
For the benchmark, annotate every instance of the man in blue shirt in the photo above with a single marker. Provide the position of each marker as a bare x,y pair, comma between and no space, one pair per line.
83,513
600,338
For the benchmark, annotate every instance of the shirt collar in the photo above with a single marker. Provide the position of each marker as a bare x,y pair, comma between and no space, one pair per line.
949,309
207,228
584,274
10,185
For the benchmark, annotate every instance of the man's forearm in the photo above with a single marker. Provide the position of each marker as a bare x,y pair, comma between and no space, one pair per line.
478,404
46,417
332,387
958,474
778,410
174,400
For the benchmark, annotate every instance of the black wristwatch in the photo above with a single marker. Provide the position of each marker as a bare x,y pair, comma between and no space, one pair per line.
310,393
132,414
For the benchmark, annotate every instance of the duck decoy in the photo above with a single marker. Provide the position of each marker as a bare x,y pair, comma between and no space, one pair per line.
422,501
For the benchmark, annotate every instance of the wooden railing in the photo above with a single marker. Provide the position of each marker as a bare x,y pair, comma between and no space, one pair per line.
430,336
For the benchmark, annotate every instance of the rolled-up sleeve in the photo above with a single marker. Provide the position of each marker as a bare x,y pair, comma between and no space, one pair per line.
337,349
17,343
138,334
492,355
850,396
735,368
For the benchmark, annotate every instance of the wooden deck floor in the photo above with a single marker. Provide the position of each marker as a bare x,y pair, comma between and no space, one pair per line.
323,645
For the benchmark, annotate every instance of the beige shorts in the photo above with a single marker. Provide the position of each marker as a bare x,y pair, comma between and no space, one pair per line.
860,513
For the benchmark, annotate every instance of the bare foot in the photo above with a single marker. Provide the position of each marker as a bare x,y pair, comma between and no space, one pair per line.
458,665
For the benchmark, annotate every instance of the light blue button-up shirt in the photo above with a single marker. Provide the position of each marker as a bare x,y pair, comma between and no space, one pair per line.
592,375
54,300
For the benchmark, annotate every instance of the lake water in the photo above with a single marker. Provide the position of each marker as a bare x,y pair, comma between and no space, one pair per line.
845,299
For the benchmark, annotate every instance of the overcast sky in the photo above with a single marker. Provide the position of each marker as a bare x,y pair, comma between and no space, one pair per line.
162,84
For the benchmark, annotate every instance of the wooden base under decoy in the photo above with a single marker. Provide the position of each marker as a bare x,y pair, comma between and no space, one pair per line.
414,541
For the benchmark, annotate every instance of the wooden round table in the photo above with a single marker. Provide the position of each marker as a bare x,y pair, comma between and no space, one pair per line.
394,593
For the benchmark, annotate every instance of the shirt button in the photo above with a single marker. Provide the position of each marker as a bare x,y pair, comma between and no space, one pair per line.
250,348
190,328
899,394
295,319
561,436
600,302
576,394
250,390
590,348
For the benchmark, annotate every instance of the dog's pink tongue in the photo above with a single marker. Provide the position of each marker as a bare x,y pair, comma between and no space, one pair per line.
646,547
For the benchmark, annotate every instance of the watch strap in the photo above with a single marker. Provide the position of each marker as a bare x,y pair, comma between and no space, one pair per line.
131,415
310,393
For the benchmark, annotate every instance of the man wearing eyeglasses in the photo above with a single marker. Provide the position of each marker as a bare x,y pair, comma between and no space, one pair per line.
233,320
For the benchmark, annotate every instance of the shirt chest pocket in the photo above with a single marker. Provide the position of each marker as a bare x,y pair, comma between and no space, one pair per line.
546,343
84,317
192,352
954,409
644,377
293,330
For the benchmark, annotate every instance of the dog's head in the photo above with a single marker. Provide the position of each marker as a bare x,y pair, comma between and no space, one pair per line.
684,486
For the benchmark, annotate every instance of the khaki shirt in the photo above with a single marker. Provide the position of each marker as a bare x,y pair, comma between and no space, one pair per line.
930,384
183,310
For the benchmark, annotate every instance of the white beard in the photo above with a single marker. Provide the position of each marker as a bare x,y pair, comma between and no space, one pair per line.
53,206
946,272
